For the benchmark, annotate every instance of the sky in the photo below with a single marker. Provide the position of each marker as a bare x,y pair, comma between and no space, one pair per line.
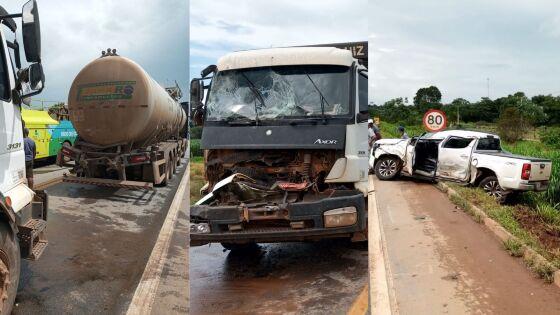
458,45
222,26
154,33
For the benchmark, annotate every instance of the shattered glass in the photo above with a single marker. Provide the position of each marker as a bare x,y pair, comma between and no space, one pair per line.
287,92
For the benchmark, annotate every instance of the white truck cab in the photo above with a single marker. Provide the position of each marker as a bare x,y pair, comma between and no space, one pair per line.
285,140
462,156
23,212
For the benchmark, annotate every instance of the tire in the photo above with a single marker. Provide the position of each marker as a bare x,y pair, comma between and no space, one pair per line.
166,178
240,247
175,164
66,159
169,169
388,167
492,187
10,264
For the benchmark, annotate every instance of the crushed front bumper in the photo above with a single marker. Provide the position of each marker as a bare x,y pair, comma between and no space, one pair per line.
301,221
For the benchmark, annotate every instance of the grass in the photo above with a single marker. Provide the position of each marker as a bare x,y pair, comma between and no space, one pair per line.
196,178
514,247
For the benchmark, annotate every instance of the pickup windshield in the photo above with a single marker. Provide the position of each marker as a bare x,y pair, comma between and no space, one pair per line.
280,92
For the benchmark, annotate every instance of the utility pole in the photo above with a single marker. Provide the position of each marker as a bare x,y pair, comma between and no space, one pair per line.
488,87
458,112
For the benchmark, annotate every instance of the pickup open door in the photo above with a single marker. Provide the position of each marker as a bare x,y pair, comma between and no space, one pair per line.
454,158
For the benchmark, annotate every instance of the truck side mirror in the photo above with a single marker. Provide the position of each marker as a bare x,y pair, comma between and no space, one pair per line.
31,30
197,107
210,69
36,76
197,92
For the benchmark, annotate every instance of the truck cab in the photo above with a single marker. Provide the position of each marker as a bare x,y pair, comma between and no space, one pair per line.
285,147
23,212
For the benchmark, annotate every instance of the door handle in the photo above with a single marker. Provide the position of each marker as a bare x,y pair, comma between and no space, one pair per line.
464,156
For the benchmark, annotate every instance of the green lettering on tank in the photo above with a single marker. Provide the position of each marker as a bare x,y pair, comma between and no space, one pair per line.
115,90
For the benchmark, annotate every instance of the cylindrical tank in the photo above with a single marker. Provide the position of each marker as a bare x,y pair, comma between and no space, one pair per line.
114,101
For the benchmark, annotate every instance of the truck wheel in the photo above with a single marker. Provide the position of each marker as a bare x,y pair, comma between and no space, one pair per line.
387,168
492,187
169,169
9,268
179,159
166,178
66,159
175,164
240,247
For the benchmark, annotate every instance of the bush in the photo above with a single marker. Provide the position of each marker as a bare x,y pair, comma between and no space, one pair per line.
196,132
551,137
512,126
195,148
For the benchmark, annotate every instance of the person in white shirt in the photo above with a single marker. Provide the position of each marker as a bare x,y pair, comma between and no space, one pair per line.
373,133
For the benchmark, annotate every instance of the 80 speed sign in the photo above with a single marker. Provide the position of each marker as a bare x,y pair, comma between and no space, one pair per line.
434,120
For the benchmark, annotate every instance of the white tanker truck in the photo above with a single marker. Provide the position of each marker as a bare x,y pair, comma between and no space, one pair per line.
129,127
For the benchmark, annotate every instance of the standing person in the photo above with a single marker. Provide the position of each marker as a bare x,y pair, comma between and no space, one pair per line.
403,134
373,133
30,152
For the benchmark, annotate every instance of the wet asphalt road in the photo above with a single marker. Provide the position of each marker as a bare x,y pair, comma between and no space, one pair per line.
99,242
294,278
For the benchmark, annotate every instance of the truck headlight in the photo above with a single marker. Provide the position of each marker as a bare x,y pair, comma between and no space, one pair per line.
340,217
200,228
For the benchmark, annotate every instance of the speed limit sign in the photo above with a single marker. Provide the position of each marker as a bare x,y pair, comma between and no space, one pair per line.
435,120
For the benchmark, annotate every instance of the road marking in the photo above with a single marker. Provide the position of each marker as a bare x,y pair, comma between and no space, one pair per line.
146,290
360,305
380,274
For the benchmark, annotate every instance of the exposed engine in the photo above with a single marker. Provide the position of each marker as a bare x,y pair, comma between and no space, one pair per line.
268,175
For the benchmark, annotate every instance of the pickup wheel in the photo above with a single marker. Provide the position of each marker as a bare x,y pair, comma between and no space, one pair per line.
10,261
388,167
492,187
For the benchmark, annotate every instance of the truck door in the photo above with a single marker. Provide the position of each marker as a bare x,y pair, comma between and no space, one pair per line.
454,158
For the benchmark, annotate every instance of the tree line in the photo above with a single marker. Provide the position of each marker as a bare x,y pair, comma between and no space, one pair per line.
516,112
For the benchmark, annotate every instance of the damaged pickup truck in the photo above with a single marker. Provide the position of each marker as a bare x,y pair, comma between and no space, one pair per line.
285,147
466,157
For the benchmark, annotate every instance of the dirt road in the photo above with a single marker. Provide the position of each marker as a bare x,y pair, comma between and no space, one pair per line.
99,242
442,262
297,278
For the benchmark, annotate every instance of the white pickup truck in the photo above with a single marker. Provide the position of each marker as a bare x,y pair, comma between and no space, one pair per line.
466,157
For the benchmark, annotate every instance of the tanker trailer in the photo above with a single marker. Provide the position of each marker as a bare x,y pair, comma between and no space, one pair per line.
129,127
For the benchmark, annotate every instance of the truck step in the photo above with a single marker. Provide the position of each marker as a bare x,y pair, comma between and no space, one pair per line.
31,238
38,250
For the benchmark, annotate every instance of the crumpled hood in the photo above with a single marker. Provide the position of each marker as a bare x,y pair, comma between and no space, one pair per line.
391,141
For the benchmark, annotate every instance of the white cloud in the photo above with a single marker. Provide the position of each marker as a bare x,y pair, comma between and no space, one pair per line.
222,26
458,45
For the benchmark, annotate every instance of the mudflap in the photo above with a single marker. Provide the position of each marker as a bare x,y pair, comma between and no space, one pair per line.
32,224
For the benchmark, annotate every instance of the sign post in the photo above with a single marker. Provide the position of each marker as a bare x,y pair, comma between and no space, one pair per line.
434,120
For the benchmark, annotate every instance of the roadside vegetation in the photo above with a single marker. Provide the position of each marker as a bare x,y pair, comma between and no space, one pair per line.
197,164
196,178
527,126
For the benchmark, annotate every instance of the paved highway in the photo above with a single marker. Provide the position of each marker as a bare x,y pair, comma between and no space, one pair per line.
100,240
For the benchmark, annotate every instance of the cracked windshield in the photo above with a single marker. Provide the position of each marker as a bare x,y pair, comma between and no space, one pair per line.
279,92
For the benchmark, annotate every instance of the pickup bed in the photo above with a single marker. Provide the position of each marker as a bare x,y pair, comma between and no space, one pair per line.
466,157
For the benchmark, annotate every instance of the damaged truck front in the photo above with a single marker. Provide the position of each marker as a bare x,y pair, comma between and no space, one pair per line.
285,147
